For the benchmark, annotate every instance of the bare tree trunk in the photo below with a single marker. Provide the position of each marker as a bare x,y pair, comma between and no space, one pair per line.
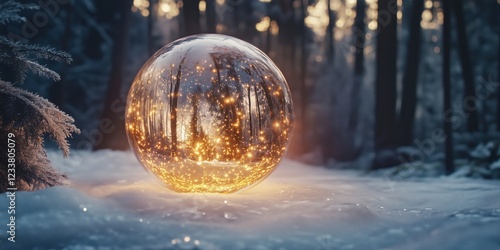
359,44
303,72
330,50
447,86
152,10
292,36
293,41
359,36
467,69
385,89
498,72
234,6
268,40
105,16
117,138
211,16
59,91
410,78
191,14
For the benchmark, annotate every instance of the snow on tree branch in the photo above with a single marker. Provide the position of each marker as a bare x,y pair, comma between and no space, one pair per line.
9,11
21,56
30,117
36,115
26,115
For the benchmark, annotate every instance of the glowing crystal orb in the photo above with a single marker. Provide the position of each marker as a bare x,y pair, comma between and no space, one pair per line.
209,113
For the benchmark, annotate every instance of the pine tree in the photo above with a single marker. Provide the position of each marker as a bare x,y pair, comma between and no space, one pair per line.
9,11
27,116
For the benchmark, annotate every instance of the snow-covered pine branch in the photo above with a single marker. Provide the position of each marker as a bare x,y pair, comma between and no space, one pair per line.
9,11
26,115
30,117
20,57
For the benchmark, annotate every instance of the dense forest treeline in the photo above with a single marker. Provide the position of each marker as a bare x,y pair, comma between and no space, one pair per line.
388,82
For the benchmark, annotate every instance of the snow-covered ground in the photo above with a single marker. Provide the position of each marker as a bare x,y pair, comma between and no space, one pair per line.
112,203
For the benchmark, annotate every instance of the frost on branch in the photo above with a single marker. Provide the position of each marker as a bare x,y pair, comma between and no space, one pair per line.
30,117
20,57
9,11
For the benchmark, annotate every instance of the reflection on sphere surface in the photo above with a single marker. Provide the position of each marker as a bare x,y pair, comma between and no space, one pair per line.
209,113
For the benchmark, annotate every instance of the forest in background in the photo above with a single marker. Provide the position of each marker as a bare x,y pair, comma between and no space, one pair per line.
387,83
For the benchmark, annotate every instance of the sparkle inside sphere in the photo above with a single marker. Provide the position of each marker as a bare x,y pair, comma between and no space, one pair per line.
209,113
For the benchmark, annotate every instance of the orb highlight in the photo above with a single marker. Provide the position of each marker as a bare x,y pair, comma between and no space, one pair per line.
209,113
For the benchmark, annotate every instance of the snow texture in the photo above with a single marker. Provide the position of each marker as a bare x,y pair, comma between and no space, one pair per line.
112,203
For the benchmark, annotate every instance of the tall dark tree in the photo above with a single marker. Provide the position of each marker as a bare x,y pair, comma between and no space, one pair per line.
191,13
447,87
410,77
287,36
303,71
269,38
498,72
467,69
234,15
151,18
385,85
292,35
359,44
116,139
58,92
289,22
330,50
106,20
211,16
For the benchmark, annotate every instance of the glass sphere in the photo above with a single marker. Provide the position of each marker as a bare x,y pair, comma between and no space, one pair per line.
209,113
